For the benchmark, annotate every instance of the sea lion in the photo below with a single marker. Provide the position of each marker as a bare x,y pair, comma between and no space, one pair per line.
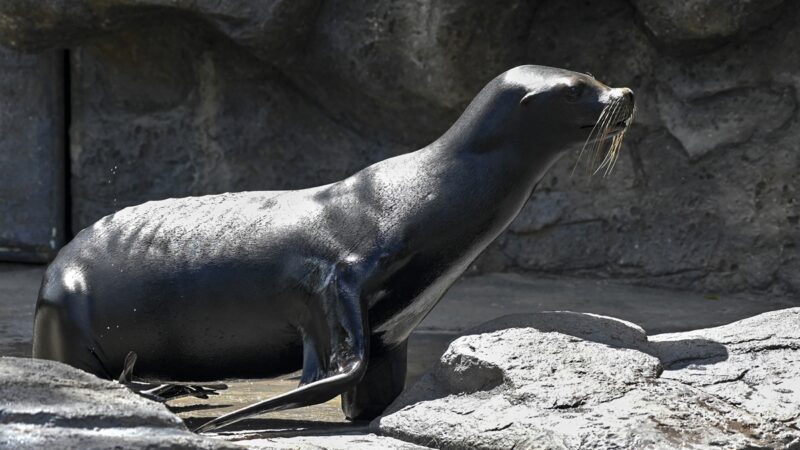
332,279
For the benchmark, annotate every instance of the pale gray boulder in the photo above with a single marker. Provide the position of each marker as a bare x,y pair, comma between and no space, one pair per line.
698,25
335,442
566,380
46,404
761,373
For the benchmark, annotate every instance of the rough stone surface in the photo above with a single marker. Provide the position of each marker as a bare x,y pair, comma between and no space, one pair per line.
697,25
174,98
32,155
568,380
341,442
759,371
134,114
46,404
272,29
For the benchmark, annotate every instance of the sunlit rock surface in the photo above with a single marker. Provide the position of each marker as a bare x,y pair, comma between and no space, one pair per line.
175,98
555,380
46,404
760,372
343,442
567,380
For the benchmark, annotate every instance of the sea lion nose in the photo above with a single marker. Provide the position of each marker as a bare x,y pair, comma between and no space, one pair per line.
627,94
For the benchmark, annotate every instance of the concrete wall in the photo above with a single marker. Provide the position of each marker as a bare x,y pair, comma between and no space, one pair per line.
32,155
174,98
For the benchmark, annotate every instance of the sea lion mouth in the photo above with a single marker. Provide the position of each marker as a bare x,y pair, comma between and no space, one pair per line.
619,125
611,126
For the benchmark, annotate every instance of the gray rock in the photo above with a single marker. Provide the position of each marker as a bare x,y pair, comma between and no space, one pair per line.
698,25
26,436
272,29
568,380
340,442
51,405
759,373
32,155
725,118
147,128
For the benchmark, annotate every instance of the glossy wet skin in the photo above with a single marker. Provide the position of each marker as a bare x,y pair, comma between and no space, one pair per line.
332,278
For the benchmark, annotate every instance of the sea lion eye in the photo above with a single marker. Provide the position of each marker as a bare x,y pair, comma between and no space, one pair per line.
573,93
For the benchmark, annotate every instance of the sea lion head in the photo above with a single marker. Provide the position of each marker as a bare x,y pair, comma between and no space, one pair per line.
546,111
570,108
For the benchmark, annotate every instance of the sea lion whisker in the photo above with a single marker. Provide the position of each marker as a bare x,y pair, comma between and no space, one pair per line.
593,132
617,114
620,137
614,144
628,123
613,153
604,135
599,138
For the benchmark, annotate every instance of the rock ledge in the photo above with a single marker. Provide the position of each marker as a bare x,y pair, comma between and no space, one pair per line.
568,380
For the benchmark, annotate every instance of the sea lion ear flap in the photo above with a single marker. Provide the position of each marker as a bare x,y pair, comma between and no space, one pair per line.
527,98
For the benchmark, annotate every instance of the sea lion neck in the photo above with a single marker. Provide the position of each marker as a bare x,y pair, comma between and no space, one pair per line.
486,140
492,124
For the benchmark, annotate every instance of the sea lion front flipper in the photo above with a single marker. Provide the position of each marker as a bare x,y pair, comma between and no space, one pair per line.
381,384
339,355
127,368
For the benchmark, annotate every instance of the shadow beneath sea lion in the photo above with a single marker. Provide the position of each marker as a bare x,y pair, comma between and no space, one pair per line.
178,409
265,428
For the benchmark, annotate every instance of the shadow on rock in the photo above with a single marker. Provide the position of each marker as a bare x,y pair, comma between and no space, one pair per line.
679,354
614,333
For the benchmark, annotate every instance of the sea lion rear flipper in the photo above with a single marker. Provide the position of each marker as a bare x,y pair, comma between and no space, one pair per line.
335,354
170,391
162,392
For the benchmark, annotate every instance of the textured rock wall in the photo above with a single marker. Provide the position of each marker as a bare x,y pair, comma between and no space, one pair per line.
175,98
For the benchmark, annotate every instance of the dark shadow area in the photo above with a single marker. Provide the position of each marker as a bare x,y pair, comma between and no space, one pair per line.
197,407
679,354
611,332
262,428
425,348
